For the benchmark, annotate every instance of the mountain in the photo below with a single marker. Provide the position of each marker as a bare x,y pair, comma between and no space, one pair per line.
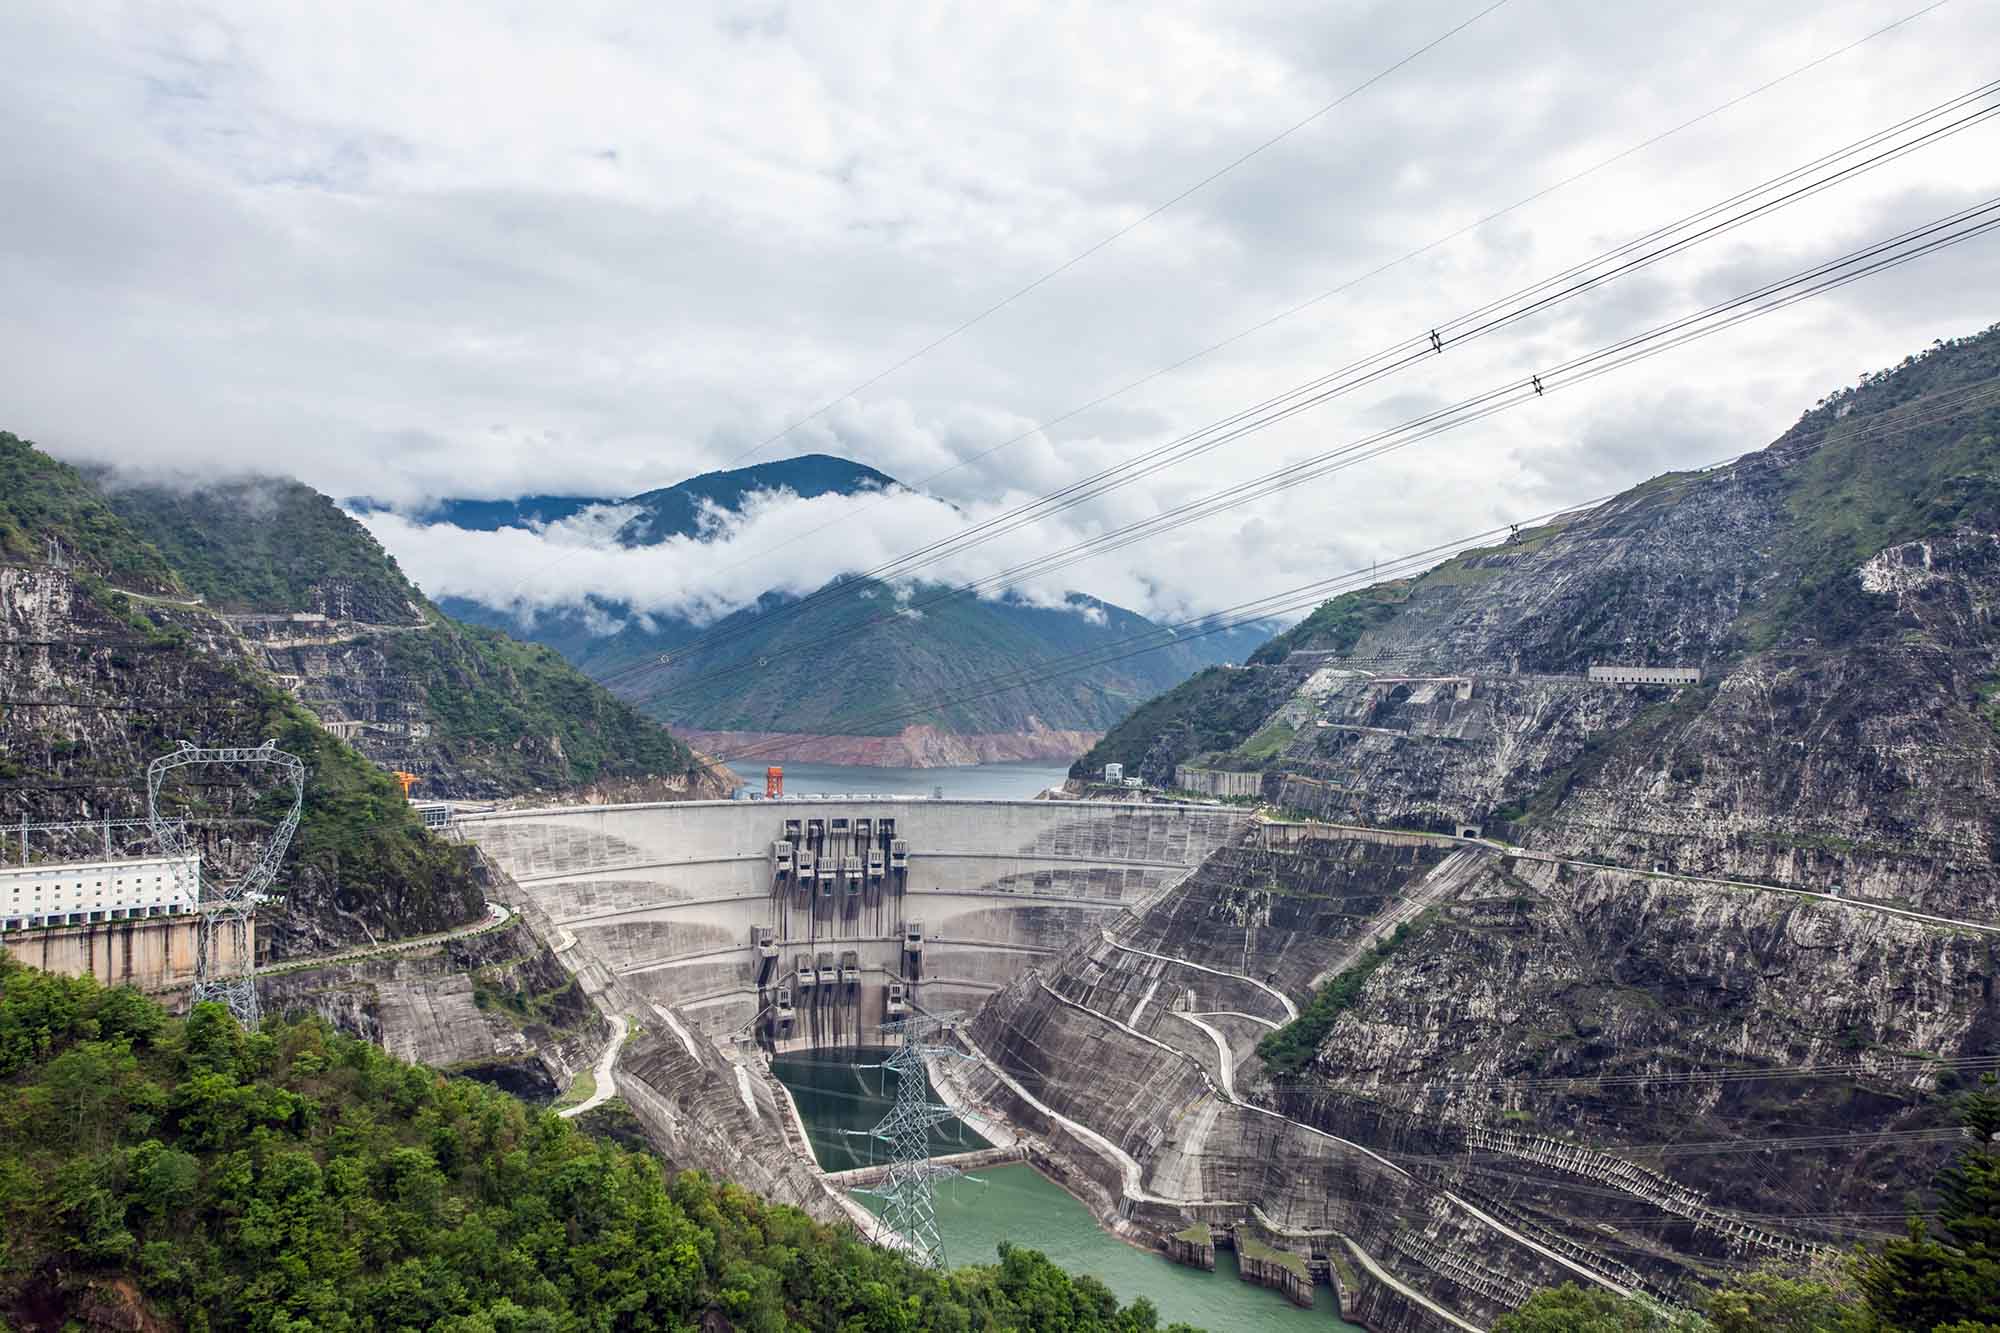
1787,549
849,679
671,511
674,511
108,663
471,711
165,1173
138,616
852,680
1611,956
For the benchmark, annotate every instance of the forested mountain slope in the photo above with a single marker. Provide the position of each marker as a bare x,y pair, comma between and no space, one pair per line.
159,1174
853,667
853,677
470,710
98,683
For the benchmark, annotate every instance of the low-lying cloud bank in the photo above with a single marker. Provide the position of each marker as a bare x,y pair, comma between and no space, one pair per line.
777,542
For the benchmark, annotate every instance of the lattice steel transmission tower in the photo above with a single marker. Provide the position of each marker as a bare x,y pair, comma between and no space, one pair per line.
225,953
909,1198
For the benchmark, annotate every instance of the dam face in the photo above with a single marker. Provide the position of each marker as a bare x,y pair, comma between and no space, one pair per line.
808,923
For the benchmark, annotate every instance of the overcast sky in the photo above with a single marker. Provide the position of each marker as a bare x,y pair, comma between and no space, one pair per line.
477,250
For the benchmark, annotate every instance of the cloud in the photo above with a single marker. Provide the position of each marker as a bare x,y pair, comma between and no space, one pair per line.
595,251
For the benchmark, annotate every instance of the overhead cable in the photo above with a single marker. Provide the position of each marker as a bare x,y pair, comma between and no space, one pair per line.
1944,120
1953,229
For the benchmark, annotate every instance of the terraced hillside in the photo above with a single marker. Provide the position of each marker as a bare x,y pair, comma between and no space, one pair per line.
1662,978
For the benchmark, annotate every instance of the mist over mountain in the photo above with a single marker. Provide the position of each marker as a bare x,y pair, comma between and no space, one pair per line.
838,671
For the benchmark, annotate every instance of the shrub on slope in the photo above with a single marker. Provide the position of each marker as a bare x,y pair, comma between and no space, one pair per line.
297,1179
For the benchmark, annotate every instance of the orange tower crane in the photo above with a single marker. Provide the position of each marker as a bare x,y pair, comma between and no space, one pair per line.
408,780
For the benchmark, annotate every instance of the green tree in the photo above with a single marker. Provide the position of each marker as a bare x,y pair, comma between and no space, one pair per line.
298,1180
1774,1300
1950,1281
1573,1309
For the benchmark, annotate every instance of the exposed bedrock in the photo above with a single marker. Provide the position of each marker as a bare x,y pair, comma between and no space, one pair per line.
1862,756
496,1007
1438,1131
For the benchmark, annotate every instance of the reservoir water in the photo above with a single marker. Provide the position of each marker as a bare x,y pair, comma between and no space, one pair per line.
1017,1203
1021,782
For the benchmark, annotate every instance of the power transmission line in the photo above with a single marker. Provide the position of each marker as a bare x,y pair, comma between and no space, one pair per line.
1953,229
1495,315
1348,285
1351,283
1940,407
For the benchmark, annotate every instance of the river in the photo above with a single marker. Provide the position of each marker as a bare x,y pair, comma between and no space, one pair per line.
1018,1204
1021,782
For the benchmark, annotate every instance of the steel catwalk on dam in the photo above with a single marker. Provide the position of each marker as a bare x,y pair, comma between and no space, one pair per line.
808,923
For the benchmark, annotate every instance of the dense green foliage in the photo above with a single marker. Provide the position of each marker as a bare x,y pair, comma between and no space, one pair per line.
1216,710
359,833
489,695
1771,1300
1933,1281
41,498
266,544
1292,1047
1859,489
1573,1309
1925,1284
1335,625
297,1179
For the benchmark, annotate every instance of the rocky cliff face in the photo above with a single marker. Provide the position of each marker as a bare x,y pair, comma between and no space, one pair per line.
96,687
1613,1030
495,1007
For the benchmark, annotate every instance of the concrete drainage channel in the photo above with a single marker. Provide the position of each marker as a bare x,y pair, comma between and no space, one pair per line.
605,1085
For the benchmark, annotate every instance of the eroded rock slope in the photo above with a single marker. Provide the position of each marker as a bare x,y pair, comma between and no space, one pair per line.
1684,968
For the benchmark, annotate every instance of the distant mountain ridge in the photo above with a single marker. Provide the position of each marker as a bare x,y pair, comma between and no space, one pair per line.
669,511
845,681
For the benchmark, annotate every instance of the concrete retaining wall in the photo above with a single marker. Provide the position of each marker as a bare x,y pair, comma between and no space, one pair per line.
152,954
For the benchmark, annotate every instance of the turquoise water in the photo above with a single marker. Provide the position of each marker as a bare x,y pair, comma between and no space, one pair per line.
972,782
836,1091
1018,1203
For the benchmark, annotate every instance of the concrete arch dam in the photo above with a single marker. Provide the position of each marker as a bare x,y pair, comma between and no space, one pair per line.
810,923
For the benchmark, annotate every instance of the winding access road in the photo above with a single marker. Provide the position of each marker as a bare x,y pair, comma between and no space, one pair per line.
497,915
1291,1010
1509,850
605,1073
